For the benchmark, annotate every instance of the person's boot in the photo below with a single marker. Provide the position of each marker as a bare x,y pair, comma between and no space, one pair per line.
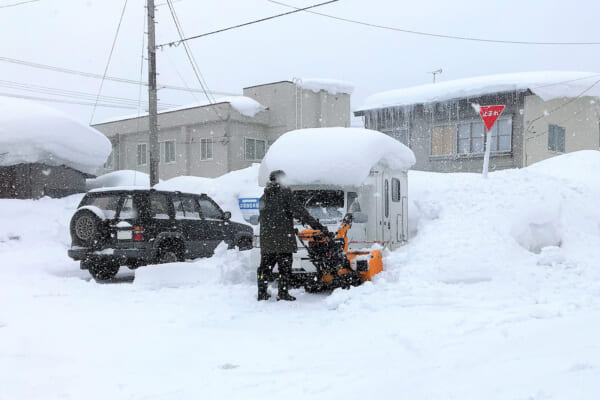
263,294
282,293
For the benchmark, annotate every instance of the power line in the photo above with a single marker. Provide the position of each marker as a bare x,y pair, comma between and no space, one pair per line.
472,39
112,49
70,93
18,96
182,40
18,4
99,76
566,103
189,54
192,60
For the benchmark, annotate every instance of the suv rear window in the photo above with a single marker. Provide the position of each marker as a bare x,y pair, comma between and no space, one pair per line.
106,202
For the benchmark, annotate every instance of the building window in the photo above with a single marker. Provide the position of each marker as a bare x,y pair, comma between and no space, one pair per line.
501,133
441,140
206,149
556,138
142,154
167,152
470,138
255,149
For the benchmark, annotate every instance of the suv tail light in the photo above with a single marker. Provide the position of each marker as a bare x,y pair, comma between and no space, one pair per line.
138,234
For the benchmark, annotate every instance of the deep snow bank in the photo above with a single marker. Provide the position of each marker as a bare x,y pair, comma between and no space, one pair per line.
465,305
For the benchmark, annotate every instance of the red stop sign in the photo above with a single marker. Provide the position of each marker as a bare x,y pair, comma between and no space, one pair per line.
489,115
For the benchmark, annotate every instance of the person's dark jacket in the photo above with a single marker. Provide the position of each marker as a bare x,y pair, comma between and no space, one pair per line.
278,208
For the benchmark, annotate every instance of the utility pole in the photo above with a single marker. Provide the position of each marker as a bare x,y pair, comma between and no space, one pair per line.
152,97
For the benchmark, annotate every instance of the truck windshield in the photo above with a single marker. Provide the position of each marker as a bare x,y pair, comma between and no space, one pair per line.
325,205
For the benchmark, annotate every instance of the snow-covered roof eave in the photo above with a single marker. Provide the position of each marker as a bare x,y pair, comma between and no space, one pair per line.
545,84
245,106
333,156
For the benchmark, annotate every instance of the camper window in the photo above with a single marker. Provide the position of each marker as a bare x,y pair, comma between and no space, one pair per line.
353,203
395,190
387,198
325,205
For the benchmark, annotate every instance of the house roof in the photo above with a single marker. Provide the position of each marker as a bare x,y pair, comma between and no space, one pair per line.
546,84
31,132
242,104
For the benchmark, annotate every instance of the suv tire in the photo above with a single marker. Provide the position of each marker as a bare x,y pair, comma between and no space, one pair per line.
102,271
244,243
85,228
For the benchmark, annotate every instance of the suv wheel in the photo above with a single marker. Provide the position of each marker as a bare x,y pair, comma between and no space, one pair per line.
166,256
85,227
102,270
244,243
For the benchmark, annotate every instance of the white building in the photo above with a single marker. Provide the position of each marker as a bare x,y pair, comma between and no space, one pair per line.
212,139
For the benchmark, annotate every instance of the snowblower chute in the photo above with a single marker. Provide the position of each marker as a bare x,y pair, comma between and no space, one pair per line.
335,265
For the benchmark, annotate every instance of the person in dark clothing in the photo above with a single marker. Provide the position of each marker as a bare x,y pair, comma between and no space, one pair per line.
278,208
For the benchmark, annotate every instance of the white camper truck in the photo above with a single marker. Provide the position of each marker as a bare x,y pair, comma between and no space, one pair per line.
336,171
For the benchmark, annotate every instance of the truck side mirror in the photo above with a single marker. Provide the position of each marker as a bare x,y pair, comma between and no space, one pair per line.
360,217
253,219
227,215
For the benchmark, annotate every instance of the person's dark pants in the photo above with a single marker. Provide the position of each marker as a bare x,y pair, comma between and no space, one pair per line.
267,263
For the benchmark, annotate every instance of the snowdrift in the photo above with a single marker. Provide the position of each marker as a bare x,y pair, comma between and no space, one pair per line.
34,133
496,296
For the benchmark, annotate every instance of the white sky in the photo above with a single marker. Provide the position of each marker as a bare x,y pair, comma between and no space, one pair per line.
77,34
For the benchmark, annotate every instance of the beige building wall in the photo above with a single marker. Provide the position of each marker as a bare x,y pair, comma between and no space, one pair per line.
292,107
579,117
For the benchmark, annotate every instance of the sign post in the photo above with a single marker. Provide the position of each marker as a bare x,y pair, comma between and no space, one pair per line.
489,115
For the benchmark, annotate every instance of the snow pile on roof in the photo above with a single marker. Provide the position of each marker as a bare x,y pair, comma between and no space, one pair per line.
546,84
123,178
34,133
329,85
339,156
244,105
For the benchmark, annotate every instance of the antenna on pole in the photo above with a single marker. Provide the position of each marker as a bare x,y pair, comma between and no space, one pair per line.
434,73
152,97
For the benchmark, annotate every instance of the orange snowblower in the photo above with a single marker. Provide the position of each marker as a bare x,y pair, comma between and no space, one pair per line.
336,266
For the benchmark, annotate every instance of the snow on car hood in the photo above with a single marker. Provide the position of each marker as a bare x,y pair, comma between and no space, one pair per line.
335,156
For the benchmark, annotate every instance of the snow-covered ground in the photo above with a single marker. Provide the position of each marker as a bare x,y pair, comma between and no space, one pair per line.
496,296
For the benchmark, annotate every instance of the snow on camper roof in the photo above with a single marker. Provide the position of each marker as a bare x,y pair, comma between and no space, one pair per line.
34,133
546,84
335,156
329,85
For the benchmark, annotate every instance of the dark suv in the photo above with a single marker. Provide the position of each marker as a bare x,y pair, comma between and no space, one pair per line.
114,227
